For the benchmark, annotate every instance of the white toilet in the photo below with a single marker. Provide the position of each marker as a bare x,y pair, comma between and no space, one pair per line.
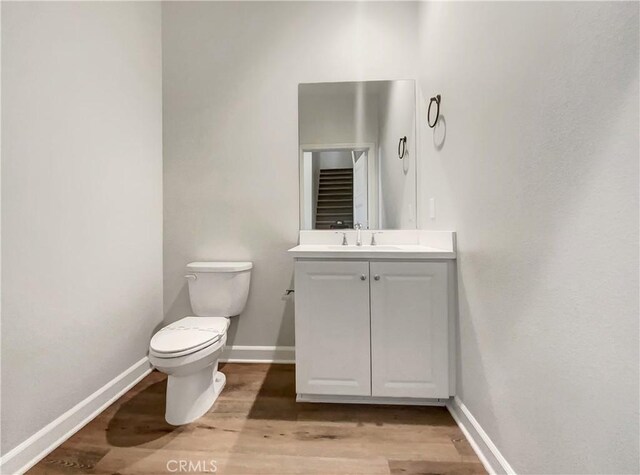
188,350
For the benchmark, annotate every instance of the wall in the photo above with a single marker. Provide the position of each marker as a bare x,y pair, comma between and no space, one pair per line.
231,75
81,202
535,165
330,116
397,119
333,159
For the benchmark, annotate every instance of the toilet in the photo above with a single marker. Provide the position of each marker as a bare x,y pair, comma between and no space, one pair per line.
188,349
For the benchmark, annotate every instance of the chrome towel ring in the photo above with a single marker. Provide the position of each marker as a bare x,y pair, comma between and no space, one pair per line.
402,147
435,99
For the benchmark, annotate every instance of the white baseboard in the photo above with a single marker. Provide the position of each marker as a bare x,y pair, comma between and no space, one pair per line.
39,445
487,452
259,354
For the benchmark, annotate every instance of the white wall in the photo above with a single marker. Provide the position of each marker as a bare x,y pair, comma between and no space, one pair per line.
81,202
331,117
397,118
538,174
231,75
333,159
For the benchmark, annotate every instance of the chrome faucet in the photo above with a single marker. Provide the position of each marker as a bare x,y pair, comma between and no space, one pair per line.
344,238
358,228
373,237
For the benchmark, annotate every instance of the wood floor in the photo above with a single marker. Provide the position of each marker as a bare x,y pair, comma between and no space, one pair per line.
256,427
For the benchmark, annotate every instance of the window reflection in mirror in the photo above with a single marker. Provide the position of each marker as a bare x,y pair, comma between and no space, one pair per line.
350,146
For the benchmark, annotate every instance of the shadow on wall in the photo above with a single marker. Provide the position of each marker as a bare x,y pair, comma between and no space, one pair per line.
471,351
286,320
181,302
288,315
406,163
175,313
440,133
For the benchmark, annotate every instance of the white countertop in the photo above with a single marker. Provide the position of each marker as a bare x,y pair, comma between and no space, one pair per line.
401,251
394,244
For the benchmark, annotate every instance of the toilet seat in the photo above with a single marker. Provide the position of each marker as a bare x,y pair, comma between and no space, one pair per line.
187,336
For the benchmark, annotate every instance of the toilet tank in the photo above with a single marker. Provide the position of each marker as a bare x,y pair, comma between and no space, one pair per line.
218,289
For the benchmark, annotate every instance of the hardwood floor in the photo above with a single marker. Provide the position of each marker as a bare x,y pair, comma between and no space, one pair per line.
256,427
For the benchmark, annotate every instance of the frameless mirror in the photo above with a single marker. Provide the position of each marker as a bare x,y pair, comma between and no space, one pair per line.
357,155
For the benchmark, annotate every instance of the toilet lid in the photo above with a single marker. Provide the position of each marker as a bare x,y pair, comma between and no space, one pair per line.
189,333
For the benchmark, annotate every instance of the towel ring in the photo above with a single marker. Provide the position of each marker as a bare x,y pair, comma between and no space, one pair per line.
435,99
402,147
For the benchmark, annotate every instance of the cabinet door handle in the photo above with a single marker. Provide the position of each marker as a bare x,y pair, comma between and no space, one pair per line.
363,277
376,277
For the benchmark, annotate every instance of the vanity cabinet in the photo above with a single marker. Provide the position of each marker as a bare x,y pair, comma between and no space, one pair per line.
333,345
376,329
409,329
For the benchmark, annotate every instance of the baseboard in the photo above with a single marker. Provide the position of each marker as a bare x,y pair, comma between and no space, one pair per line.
484,447
39,445
398,401
259,354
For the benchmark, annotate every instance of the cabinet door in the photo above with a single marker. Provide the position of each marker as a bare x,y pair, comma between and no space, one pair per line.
332,328
409,329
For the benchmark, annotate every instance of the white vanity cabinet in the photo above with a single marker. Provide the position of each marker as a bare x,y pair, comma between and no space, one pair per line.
374,329
333,346
409,329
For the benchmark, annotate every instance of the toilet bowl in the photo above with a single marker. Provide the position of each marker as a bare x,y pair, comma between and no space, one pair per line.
188,349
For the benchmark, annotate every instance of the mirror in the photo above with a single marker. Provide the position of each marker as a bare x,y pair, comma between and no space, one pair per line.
357,155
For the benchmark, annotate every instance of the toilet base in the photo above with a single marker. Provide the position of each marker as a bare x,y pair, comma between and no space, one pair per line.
191,396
